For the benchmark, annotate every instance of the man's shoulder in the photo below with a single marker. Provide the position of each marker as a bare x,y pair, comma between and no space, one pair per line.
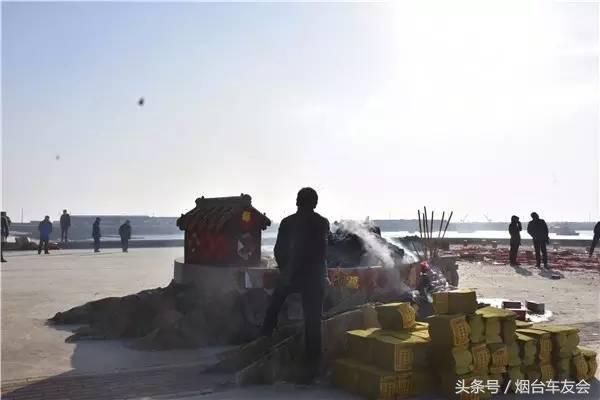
324,221
315,216
287,220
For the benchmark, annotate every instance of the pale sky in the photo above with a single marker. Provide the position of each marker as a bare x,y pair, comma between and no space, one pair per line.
481,107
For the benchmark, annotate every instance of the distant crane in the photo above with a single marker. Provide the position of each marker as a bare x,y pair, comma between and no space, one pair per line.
487,218
464,218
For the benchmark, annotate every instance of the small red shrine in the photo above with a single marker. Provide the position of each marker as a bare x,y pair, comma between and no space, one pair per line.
223,231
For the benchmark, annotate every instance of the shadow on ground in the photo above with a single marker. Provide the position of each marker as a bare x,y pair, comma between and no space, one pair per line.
551,274
85,382
521,271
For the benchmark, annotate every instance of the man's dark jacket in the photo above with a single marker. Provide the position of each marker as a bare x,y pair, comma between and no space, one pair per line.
515,232
4,227
538,230
96,230
301,248
125,231
65,221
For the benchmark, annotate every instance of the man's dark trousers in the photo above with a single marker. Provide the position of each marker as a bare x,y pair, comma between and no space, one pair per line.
63,233
124,244
514,251
96,244
43,242
594,243
312,307
540,246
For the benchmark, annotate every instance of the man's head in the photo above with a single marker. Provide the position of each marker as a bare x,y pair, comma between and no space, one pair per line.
307,198
46,218
127,222
97,219
64,211
535,215
514,218
3,213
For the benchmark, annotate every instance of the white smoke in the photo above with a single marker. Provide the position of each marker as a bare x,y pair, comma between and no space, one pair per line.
409,254
379,253
374,247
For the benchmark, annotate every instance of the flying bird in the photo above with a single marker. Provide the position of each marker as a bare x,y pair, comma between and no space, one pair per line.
141,101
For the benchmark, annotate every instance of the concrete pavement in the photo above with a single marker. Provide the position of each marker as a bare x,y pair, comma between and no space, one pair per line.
35,287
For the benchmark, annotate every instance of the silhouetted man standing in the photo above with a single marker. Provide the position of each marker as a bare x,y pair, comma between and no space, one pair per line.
65,224
5,224
515,239
596,238
125,233
301,254
45,228
96,235
538,230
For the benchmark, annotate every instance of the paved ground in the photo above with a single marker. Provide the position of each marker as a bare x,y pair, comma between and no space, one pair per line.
574,298
38,364
35,287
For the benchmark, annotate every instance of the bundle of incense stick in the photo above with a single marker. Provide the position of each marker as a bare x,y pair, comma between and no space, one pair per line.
431,245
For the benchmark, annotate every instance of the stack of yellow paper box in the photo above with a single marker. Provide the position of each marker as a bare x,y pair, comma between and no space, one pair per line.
458,342
589,356
500,335
558,354
567,359
387,363
528,350
541,368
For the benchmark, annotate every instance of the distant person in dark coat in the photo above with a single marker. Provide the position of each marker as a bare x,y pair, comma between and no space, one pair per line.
301,254
125,233
5,225
96,235
45,228
538,230
515,239
596,238
65,224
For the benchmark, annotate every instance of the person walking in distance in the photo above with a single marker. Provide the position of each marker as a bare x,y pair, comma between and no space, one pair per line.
65,224
96,235
596,238
5,225
45,228
515,239
538,230
301,254
125,233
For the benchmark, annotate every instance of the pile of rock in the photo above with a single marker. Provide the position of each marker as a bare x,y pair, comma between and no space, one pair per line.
176,316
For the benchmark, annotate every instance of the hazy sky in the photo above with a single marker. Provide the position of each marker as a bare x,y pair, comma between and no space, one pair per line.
482,107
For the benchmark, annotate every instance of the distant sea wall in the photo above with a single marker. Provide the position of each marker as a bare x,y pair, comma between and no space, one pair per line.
527,242
81,226
412,225
110,244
